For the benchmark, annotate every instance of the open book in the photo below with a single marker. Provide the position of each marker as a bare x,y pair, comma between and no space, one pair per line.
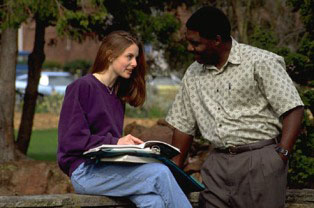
148,152
150,147
130,159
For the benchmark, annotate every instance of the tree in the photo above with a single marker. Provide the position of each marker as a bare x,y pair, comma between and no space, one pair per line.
73,18
8,53
7,77
77,20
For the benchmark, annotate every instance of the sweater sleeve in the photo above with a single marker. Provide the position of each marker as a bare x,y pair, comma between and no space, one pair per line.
74,131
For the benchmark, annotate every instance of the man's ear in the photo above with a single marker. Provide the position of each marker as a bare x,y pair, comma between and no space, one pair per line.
218,40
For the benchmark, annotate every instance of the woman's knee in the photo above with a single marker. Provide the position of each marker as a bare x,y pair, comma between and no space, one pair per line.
159,168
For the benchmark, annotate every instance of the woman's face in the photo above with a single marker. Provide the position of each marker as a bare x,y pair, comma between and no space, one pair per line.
124,64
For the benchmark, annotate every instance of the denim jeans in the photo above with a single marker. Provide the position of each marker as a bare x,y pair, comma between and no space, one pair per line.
146,185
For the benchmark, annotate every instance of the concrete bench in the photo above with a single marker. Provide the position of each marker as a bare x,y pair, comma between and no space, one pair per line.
295,199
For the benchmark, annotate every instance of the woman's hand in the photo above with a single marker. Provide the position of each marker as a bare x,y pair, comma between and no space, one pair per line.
129,139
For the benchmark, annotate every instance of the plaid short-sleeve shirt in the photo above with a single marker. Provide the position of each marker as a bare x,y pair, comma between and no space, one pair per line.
239,104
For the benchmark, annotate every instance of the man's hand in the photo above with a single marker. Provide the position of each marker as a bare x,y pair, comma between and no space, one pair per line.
183,141
129,139
284,158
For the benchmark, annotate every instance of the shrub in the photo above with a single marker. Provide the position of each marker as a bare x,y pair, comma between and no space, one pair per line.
78,67
155,106
301,171
52,65
50,104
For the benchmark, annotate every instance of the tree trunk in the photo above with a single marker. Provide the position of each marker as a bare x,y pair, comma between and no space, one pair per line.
8,53
35,62
242,17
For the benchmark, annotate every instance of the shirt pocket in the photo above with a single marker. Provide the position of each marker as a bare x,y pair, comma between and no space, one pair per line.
240,97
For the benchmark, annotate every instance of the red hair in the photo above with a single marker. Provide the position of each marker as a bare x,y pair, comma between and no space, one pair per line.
132,90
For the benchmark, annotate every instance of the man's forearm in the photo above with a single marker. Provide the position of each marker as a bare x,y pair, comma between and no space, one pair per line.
183,141
291,124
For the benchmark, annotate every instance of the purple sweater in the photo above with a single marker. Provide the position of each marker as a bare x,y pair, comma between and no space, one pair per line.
90,116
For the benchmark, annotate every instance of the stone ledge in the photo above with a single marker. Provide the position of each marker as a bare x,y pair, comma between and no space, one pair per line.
62,200
295,199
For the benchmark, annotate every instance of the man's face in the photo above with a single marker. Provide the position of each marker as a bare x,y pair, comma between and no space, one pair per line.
202,48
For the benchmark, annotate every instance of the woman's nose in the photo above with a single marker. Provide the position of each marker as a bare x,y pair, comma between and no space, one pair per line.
134,62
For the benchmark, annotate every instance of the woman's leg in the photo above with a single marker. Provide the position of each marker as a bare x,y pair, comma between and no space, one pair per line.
130,180
148,201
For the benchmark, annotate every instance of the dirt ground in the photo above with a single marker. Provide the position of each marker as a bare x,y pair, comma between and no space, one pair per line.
48,121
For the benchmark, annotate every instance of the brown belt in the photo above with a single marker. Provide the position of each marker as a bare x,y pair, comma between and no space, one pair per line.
247,147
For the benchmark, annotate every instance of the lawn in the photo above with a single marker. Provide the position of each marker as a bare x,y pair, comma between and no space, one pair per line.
43,145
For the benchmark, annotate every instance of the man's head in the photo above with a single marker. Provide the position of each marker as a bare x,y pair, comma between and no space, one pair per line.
207,30
210,22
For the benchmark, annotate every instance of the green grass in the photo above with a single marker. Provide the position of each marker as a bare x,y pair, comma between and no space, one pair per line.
43,145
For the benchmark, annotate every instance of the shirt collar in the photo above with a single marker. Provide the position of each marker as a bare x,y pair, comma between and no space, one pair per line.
234,57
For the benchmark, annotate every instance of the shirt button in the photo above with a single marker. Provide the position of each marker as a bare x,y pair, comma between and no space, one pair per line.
218,108
219,125
217,90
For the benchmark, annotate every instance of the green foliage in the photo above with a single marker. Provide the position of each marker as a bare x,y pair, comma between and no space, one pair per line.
302,61
45,104
152,22
156,29
143,112
263,38
52,65
301,171
299,65
300,68
78,24
155,106
179,57
50,104
77,67
7,9
306,8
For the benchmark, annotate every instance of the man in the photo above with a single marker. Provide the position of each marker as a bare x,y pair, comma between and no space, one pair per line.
242,100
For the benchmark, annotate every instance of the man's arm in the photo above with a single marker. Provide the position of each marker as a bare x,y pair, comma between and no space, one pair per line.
291,124
183,141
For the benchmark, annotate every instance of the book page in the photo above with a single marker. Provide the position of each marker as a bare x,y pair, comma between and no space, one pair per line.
156,147
130,158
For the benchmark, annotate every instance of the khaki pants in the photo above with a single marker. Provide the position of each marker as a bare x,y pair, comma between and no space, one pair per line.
251,179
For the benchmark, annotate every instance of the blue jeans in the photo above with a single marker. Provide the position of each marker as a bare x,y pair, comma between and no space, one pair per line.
146,185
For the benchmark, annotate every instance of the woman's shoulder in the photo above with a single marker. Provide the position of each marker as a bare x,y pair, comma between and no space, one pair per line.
83,81
81,85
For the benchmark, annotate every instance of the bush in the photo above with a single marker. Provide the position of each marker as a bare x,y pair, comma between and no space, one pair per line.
45,104
155,106
50,104
301,171
77,67
52,65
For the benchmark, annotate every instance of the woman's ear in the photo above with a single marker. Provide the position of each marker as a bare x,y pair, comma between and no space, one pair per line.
109,55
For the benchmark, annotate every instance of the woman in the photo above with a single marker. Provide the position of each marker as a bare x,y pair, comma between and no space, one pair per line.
92,114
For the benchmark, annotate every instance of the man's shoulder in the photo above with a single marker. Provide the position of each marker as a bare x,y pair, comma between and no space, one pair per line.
258,54
194,69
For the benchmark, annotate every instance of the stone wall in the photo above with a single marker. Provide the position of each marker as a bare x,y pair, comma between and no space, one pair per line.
295,199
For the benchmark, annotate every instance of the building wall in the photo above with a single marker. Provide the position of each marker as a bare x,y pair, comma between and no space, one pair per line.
63,50
60,49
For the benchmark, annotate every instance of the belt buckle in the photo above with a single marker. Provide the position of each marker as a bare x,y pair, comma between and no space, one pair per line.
232,150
